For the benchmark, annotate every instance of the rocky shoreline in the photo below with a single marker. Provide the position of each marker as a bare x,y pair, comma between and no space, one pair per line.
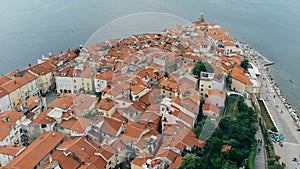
263,63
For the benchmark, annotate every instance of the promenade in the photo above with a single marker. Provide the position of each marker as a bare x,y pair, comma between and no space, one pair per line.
283,120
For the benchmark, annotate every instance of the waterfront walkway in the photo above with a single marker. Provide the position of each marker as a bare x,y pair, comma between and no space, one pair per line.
284,122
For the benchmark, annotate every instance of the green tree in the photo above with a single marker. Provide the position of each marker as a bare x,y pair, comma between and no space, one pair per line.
244,64
202,67
190,161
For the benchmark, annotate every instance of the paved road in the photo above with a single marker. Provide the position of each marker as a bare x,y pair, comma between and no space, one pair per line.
284,122
260,158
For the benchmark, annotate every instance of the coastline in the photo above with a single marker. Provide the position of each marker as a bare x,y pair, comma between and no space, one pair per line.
281,113
262,62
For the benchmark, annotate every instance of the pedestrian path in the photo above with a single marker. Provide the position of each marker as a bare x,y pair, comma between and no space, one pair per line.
260,158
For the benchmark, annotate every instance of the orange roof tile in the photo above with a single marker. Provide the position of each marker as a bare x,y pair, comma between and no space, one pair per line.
4,79
12,117
225,148
11,150
42,118
110,126
237,73
3,92
176,164
37,150
79,124
42,69
217,92
64,101
16,83
106,104
105,76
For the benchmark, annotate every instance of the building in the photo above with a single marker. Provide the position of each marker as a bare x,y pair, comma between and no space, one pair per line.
4,100
107,107
45,74
242,82
216,97
7,153
101,80
11,132
80,152
64,81
38,151
21,88
83,79
205,82
168,87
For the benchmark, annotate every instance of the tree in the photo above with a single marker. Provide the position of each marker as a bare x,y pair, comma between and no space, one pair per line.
244,64
202,67
190,161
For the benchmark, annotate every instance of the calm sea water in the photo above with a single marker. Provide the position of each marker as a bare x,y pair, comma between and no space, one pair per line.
29,29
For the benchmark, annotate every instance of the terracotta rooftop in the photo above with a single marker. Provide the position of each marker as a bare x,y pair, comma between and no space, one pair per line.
42,69
42,118
11,150
37,150
105,76
8,118
4,79
79,124
106,104
3,92
237,73
110,126
217,92
16,83
64,101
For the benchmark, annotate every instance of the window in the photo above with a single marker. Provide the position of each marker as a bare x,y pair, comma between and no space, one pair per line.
43,125
202,85
201,90
209,86
74,81
162,109
109,163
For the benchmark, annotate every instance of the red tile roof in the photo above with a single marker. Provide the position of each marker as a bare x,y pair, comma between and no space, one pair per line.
106,75
42,118
110,126
37,150
106,104
64,101
237,73
11,150
75,124
42,69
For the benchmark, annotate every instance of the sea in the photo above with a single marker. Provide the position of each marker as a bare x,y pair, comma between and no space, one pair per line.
32,28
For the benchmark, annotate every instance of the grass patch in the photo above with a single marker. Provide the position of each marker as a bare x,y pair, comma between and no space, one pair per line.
266,117
232,109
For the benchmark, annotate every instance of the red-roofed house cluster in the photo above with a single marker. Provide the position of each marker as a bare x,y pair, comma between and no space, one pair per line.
133,100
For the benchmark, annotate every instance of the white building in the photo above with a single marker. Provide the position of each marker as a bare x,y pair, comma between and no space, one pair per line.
4,100
64,81
101,80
